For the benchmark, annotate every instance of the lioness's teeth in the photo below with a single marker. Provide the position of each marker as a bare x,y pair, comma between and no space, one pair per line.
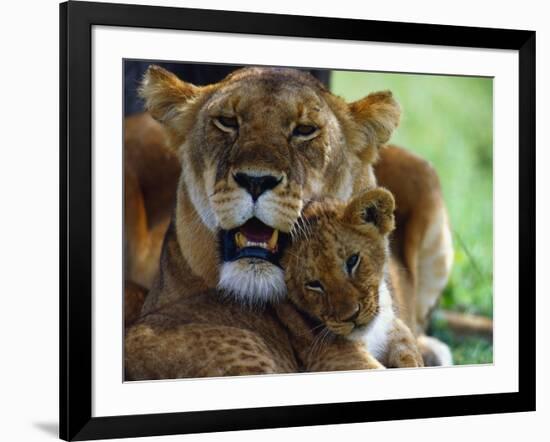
272,243
263,245
240,240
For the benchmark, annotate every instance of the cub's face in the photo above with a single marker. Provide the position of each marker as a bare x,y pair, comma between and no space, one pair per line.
254,149
335,266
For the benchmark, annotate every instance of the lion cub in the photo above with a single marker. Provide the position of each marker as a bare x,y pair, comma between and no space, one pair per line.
337,271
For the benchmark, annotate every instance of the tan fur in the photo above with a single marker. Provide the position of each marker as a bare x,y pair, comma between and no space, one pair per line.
151,171
425,247
349,301
204,335
268,104
319,350
134,295
422,242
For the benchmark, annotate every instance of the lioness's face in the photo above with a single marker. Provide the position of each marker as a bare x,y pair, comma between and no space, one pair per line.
270,142
255,148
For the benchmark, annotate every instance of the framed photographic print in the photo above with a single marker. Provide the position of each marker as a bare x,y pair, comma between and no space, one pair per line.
272,220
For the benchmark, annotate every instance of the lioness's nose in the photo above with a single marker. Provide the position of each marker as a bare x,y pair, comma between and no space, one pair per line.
256,185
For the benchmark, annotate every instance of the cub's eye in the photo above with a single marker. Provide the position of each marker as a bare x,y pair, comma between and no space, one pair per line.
227,124
352,263
316,286
304,130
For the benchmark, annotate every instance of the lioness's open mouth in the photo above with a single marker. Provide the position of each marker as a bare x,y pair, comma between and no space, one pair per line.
253,239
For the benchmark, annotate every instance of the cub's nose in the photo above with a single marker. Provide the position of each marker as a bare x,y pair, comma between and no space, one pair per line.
349,314
256,185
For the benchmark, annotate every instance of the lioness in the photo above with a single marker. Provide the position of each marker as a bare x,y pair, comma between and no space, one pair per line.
254,149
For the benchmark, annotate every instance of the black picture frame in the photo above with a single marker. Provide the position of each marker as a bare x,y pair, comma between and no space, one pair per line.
76,21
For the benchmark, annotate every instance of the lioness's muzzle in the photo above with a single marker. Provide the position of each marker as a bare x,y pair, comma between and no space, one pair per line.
254,239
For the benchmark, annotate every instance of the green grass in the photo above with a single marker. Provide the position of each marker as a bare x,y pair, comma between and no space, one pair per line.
448,121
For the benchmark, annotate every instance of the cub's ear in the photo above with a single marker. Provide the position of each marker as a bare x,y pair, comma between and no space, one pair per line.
373,207
378,114
165,94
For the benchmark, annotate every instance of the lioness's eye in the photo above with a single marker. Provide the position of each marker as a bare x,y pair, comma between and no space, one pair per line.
227,123
316,286
303,130
352,263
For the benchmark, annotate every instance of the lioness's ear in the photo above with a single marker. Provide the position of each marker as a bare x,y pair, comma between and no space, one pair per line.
378,114
165,94
372,207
